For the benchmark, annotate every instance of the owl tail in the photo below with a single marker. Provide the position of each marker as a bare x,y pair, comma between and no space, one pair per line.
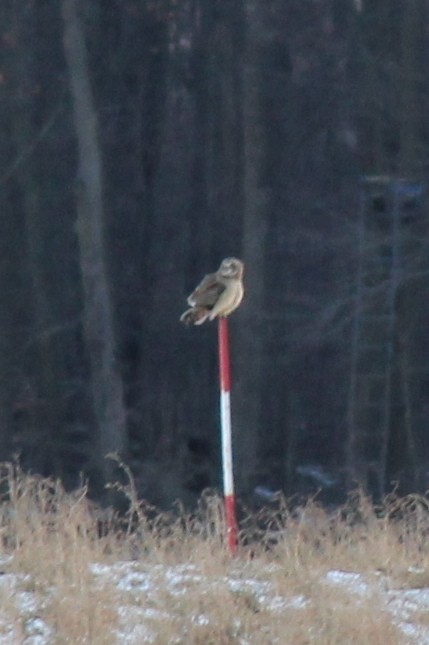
194,316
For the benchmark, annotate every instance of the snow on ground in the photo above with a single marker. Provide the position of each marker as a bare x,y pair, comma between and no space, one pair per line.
137,619
401,603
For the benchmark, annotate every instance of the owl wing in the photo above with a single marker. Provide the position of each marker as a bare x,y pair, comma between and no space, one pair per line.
207,292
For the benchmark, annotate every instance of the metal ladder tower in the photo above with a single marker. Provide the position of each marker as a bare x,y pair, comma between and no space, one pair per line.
372,355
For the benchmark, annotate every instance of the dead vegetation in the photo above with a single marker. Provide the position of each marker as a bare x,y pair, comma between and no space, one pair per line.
71,574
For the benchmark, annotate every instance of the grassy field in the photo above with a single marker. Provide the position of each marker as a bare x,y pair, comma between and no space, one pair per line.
71,574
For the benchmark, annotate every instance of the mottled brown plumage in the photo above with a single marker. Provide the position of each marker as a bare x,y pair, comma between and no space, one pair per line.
218,294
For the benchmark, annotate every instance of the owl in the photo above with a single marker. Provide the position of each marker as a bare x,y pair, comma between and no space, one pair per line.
218,294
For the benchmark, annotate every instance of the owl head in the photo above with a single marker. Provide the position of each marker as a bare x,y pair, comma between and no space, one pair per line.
231,268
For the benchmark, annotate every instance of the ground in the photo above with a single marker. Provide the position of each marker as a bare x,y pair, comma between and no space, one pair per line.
301,575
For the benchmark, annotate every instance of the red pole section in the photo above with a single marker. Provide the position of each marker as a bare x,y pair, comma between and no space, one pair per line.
225,416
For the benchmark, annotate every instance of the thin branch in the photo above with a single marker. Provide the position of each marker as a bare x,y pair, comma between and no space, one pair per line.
28,150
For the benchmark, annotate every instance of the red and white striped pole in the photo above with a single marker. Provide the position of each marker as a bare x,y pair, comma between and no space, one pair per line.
225,416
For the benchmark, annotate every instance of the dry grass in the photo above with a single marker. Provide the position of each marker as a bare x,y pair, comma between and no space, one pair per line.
73,575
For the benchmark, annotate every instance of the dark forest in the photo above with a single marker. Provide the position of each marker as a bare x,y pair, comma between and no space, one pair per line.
145,140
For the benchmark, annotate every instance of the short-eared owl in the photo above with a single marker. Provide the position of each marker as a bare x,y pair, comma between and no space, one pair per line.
218,294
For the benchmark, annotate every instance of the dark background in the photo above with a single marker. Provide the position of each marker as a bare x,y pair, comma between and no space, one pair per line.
143,141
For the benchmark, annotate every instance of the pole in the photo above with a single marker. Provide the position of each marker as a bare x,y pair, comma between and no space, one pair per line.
225,416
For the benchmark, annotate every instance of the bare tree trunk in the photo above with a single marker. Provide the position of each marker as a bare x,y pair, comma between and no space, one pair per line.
354,467
40,436
250,348
412,447
409,99
107,390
